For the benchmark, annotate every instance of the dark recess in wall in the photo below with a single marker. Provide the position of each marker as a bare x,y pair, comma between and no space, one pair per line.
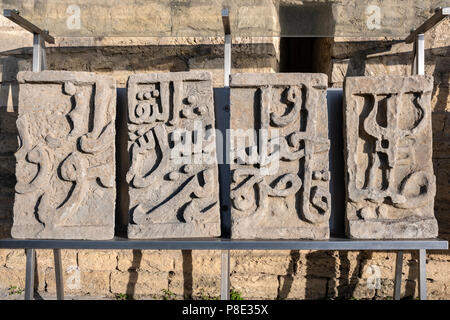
296,54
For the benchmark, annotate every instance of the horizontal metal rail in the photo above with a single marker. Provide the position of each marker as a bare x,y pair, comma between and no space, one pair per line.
227,244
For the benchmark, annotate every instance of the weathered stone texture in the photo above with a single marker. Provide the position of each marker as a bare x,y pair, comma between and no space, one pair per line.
149,260
302,287
195,286
90,282
173,176
97,260
66,161
280,185
139,283
3,253
255,286
388,147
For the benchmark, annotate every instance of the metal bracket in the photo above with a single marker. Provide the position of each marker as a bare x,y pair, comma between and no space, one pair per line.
40,37
418,37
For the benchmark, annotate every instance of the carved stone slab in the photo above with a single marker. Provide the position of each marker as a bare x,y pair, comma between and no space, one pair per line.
390,180
173,175
66,161
285,193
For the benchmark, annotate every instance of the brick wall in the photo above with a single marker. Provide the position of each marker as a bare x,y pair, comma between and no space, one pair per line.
255,274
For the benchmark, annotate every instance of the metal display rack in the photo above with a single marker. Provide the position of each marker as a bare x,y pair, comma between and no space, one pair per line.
225,245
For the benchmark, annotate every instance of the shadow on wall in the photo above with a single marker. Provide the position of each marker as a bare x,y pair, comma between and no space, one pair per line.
323,280
133,273
125,60
9,95
339,275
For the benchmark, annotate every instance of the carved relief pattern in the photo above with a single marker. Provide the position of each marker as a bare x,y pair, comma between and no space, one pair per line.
390,176
65,161
284,193
173,176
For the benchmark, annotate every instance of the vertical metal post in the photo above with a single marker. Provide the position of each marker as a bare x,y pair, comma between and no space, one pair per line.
225,265
227,49
419,55
225,276
58,274
29,274
422,274
227,64
38,65
398,275
38,53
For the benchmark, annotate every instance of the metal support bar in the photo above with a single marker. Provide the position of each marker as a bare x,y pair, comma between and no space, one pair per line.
225,276
40,37
419,55
225,265
422,274
227,49
14,16
58,274
38,53
440,14
398,275
227,244
29,274
418,37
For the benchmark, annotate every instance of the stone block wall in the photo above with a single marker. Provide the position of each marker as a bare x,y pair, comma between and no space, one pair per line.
255,274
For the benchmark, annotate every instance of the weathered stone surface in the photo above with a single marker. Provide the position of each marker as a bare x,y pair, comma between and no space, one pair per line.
77,280
66,161
167,18
193,286
3,254
255,286
280,185
9,278
45,258
139,282
148,260
390,180
309,288
97,260
173,176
